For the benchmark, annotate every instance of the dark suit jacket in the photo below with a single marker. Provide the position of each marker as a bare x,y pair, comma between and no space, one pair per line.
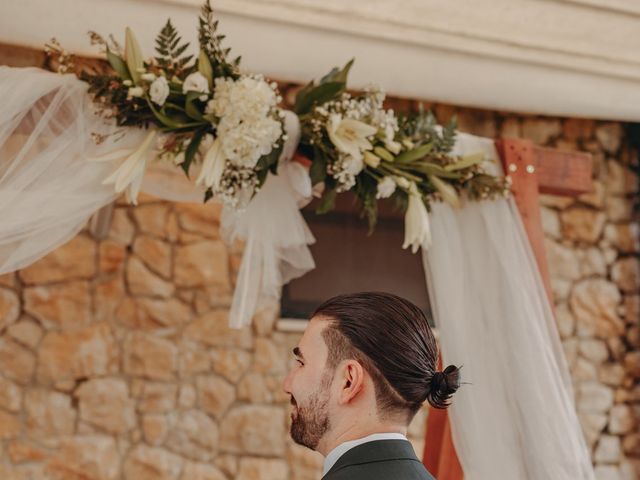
379,460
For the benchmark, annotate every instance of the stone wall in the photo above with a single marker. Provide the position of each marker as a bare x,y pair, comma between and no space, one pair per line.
116,362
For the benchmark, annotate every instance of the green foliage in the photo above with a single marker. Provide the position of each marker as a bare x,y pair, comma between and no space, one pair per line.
170,51
192,149
329,88
211,44
422,129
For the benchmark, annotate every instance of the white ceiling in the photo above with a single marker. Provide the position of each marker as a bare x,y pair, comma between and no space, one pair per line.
557,57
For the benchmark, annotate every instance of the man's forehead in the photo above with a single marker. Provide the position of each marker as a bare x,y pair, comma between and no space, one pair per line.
312,337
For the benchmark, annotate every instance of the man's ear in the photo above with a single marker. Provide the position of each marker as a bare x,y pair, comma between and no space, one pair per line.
351,381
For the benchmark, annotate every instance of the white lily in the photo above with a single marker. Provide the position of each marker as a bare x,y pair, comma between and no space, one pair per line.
349,135
131,171
212,166
417,231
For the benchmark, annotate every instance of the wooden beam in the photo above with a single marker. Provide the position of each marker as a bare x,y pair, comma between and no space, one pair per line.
519,163
562,173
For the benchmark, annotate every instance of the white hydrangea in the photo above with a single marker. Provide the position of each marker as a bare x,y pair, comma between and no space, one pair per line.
247,127
249,97
244,143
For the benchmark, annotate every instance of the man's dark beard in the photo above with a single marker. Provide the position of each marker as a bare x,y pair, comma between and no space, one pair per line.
311,422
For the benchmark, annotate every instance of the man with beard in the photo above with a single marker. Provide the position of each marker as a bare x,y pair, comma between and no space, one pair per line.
364,366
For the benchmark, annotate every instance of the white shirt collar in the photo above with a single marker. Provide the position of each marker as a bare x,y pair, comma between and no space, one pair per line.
341,449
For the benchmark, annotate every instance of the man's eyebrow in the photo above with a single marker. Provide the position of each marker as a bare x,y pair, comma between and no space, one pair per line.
298,353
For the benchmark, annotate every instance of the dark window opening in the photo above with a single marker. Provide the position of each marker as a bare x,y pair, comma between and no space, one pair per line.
349,260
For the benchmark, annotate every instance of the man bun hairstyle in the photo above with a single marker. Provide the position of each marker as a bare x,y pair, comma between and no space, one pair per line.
392,340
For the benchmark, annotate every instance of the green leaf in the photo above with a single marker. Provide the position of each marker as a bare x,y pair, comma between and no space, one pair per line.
204,67
318,169
118,65
192,149
414,154
170,123
330,86
327,203
269,162
162,118
211,43
190,107
338,75
465,162
317,95
169,51
433,169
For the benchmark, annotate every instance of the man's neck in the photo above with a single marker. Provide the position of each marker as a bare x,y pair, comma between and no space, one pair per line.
351,432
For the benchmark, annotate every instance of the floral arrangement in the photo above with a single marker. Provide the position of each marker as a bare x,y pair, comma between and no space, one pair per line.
198,111
204,112
356,145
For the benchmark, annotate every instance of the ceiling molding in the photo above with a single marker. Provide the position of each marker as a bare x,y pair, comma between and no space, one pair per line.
558,57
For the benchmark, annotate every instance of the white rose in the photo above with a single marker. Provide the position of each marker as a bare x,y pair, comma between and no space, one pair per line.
159,90
196,82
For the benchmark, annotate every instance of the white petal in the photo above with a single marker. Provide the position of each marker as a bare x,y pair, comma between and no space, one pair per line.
360,128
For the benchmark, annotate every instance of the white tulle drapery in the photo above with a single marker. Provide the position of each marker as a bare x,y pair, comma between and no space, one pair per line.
516,419
48,189
52,173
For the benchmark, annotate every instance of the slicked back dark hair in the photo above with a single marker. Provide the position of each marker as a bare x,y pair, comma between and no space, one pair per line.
393,341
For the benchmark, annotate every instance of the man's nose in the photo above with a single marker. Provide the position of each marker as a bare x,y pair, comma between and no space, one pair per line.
286,383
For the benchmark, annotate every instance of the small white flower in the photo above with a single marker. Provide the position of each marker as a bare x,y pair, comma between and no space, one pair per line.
196,82
417,231
148,77
349,135
386,187
159,91
212,166
127,83
135,92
